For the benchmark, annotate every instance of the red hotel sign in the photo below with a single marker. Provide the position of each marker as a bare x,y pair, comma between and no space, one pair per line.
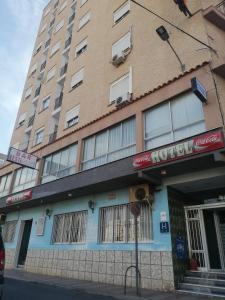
207,142
19,197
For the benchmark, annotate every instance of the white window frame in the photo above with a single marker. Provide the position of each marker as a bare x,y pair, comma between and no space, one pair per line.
72,116
33,69
55,48
77,79
81,47
116,45
119,14
44,100
116,224
21,119
59,25
84,20
37,140
28,92
68,234
51,73
124,96
7,182
25,178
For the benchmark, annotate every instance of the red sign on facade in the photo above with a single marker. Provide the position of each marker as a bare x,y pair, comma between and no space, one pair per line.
19,197
207,142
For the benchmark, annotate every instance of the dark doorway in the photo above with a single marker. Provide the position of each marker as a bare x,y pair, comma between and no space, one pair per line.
211,238
24,242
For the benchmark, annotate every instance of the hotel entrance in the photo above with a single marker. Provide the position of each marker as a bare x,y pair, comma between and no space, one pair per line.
206,235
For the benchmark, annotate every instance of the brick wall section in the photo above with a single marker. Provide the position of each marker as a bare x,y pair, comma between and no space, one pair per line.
104,266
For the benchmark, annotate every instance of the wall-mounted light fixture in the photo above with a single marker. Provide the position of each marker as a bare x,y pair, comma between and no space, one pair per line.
91,205
48,212
164,35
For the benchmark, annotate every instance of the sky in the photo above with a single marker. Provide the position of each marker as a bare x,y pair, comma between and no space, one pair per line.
19,21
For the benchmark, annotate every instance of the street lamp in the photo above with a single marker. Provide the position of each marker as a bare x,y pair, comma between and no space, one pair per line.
164,35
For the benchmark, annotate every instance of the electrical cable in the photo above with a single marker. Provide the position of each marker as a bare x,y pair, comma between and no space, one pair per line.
173,25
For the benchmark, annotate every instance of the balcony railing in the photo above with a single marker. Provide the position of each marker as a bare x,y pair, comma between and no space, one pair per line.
52,137
56,4
71,18
221,7
43,66
47,43
58,101
52,23
30,121
63,69
68,42
37,91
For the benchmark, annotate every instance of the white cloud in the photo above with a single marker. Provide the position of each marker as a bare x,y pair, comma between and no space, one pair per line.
20,30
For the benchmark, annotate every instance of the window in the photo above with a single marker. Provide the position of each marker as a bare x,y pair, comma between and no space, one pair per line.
122,45
121,88
82,2
28,93
33,69
51,74
38,49
121,12
84,20
117,224
59,26
70,228
47,11
72,116
55,48
9,230
59,164
109,145
77,79
63,6
43,28
81,47
21,119
5,182
45,103
39,136
25,179
179,118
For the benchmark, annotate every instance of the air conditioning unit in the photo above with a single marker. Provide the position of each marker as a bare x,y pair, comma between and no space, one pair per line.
126,51
118,59
139,193
121,99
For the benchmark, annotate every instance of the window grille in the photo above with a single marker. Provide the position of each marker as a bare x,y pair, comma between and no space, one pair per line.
70,228
117,224
9,230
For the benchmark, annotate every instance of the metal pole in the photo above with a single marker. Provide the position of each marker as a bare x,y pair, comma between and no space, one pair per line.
181,64
136,254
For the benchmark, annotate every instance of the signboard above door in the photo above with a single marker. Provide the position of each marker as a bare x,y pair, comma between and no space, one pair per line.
22,158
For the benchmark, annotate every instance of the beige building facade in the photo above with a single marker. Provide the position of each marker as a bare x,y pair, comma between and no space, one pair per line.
102,91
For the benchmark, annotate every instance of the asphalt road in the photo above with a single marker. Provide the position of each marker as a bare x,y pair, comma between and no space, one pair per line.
21,290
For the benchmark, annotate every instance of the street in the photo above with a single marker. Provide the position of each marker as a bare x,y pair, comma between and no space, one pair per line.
21,290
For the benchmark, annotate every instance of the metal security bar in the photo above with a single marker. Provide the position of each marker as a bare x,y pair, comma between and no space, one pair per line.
70,228
9,231
117,224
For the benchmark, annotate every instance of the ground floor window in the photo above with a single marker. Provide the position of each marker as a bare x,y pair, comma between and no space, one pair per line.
117,224
70,228
9,231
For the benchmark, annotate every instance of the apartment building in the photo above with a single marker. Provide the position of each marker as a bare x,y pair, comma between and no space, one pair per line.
108,108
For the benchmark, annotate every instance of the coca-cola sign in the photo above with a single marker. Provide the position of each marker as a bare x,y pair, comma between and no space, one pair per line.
19,197
207,142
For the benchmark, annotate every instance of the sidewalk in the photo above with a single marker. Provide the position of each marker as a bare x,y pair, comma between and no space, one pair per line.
97,288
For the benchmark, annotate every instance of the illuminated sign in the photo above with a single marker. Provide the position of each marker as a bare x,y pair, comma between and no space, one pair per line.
22,158
19,198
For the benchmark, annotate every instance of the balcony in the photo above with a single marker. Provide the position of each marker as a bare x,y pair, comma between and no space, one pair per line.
30,121
43,65
52,137
52,23
71,18
37,91
216,15
58,101
68,42
47,43
63,70
56,4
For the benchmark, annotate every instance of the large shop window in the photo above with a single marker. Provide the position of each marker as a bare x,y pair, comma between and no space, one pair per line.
109,145
173,120
60,164
9,231
70,228
25,179
5,184
117,224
